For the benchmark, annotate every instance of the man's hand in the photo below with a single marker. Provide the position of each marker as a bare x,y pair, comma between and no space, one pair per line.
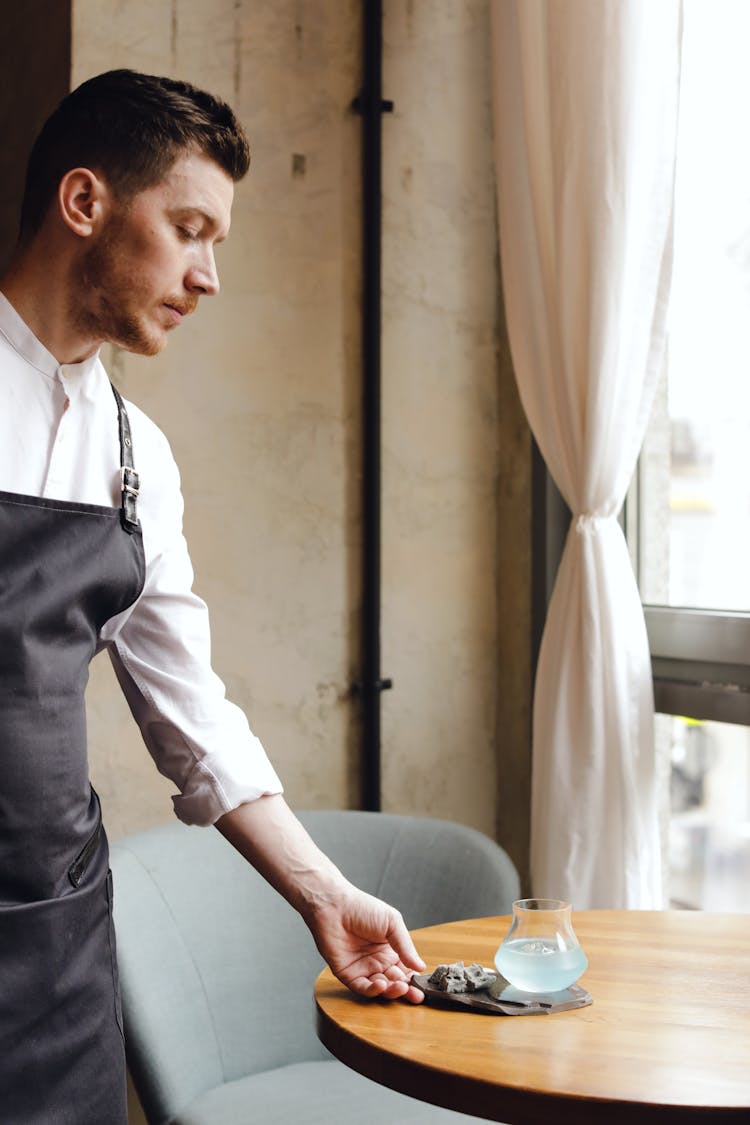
364,940
367,946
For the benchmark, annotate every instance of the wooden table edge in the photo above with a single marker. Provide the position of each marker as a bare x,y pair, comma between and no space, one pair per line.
511,1104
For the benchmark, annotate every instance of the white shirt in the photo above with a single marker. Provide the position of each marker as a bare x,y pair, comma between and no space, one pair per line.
59,439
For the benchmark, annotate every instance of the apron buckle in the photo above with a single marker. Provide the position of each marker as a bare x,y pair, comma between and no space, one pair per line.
130,483
130,480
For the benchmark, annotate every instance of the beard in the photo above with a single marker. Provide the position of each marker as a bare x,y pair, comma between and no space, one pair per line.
108,301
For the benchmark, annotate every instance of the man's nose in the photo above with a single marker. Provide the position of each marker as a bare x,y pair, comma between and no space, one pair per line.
203,277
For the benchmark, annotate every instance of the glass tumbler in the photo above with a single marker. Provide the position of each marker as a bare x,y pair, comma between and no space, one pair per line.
540,952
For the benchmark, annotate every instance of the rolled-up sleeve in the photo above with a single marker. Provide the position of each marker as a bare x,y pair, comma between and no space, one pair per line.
160,650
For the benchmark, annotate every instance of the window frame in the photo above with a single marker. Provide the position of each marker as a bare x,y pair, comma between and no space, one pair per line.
700,658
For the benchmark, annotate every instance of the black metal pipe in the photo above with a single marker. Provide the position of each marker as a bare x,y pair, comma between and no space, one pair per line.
371,106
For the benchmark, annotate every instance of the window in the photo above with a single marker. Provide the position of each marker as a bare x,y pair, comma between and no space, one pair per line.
688,515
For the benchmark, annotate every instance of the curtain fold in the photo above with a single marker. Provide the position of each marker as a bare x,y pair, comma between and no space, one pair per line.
585,103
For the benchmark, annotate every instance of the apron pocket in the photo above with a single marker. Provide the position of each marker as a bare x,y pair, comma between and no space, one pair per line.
77,869
62,1054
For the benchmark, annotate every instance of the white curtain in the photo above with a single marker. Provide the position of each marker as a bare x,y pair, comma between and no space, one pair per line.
586,96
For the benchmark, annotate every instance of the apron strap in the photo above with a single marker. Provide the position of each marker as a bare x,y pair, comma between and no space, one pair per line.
129,478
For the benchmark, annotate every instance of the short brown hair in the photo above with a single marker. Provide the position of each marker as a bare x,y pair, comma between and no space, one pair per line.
131,127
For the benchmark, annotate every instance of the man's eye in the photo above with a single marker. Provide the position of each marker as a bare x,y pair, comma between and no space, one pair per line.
188,234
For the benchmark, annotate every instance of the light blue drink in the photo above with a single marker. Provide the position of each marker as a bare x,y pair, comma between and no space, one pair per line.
539,965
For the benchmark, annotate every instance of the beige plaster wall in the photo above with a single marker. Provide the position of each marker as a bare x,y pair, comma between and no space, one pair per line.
260,397
440,414
259,394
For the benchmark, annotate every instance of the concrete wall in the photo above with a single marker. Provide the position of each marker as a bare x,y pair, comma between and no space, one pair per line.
440,415
456,446
260,397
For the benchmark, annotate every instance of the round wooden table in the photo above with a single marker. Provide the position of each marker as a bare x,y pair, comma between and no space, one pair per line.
667,1038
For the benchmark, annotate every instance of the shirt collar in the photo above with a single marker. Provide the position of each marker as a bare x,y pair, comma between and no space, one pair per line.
22,339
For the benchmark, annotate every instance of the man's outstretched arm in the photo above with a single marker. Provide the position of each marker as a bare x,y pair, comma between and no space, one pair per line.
364,940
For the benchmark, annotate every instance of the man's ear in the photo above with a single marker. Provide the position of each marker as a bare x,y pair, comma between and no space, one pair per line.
83,199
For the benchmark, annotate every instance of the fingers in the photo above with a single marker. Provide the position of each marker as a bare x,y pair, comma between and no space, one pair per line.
393,984
382,989
400,939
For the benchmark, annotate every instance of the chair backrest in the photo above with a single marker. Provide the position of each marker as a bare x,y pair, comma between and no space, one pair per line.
216,969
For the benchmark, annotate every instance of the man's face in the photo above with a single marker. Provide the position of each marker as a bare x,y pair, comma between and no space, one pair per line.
154,257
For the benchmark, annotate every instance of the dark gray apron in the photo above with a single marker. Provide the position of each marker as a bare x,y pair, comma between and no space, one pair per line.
65,569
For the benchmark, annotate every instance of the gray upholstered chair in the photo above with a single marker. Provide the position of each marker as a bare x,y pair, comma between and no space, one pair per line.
217,970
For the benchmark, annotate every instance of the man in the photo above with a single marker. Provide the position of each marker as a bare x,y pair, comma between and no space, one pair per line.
129,189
